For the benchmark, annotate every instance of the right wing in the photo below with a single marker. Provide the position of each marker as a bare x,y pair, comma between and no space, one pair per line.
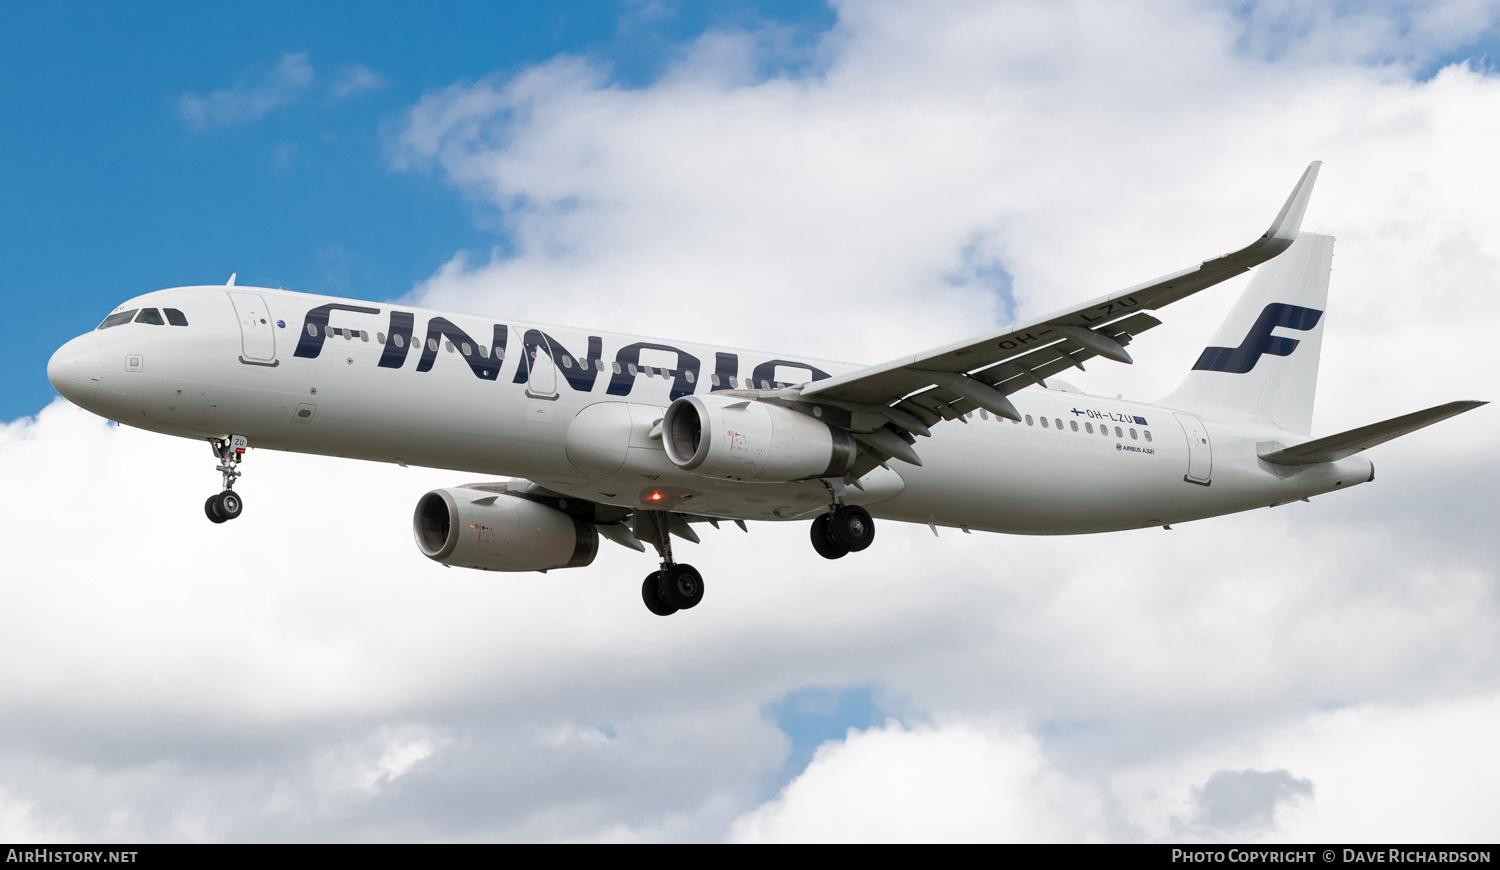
913,393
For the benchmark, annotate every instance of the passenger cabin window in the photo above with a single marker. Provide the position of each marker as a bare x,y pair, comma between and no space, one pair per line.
1148,434
1058,422
1133,436
175,317
1089,428
117,318
1029,421
713,379
1074,424
1118,433
1044,422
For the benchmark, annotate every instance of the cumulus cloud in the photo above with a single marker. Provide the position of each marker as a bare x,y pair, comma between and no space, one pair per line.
303,673
958,783
1394,774
250,99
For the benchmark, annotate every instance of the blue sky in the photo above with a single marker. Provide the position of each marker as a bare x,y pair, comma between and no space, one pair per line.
113,187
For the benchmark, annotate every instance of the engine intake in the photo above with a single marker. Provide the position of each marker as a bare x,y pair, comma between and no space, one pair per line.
473,528
745,439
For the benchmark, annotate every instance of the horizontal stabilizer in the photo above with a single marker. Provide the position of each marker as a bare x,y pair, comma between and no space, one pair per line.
1335,447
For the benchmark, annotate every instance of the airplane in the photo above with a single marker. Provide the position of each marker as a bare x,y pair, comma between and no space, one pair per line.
638,440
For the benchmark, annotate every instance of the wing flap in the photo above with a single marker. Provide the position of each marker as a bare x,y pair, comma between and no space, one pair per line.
1332,448
1031,368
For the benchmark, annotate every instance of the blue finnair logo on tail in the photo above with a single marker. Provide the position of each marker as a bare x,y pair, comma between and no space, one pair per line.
1238,360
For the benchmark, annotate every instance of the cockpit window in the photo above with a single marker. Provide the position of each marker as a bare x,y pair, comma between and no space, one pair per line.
175,317
151,316
117,318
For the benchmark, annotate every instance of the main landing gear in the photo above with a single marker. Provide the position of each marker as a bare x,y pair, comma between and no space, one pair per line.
675,587
845,529
226,505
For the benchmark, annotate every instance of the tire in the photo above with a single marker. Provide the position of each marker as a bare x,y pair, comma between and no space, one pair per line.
651,594
852,527
211,507
682,586
228,504
822,539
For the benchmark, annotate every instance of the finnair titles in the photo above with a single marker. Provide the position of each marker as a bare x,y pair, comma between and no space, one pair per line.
644,441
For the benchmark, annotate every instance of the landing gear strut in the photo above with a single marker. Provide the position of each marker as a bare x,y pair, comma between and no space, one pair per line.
675,587
226,505
845,529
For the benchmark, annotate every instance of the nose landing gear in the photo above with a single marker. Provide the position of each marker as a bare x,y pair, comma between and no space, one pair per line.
226,505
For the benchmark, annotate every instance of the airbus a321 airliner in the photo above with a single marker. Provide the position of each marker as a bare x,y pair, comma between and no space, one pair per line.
640,439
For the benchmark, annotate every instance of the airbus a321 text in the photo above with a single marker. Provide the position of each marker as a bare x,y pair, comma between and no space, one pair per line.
641,440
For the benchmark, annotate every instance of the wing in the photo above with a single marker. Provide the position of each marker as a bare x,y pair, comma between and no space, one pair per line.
913,393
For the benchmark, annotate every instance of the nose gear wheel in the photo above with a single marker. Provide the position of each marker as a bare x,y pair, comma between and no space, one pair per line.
226,505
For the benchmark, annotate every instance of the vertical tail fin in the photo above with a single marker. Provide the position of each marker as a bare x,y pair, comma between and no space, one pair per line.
1263,362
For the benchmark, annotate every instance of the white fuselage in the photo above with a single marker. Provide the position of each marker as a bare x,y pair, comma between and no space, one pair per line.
578,427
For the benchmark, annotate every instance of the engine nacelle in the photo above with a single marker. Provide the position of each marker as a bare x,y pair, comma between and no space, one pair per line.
472,528
744,439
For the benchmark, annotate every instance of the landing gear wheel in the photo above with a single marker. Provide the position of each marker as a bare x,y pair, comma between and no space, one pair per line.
852,527
228,504
822,539
651,594
682,586
211,507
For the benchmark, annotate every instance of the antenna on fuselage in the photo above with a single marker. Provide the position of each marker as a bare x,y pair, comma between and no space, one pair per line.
230,282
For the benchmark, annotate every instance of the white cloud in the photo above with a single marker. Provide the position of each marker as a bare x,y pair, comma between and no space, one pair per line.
249,100
165,678
356,78
958,783
399,757
1363,774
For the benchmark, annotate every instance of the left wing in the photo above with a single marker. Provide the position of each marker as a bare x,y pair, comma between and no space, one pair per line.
916,392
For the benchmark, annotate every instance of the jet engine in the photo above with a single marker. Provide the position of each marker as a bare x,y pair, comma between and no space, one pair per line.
472,528
745,439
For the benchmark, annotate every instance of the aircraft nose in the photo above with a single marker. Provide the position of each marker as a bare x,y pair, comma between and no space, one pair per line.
75,369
